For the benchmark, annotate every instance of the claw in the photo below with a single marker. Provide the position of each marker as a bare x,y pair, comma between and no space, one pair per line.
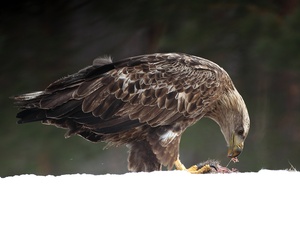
209,166
196,170
193,169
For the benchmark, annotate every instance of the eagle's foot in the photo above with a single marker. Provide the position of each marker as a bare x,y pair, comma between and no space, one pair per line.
209,166
196,169
199,170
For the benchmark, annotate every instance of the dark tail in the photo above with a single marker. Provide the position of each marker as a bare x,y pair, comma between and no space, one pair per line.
29,104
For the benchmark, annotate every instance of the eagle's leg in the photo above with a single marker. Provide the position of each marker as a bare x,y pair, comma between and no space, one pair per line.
141,158
193,169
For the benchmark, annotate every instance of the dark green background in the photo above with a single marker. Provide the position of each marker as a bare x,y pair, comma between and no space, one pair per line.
256,42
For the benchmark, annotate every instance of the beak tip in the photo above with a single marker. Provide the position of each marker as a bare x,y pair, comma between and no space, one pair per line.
232,153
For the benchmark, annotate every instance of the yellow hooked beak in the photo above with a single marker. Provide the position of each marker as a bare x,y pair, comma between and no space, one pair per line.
236,146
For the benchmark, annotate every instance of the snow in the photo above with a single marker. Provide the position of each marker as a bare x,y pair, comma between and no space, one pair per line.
165,197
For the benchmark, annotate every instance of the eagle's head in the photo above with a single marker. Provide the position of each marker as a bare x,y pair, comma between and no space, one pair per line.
236,123
232,116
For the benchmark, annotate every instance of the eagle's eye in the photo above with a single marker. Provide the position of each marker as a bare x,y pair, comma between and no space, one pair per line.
240,132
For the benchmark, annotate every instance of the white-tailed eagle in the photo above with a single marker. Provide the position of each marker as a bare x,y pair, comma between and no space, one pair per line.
144,102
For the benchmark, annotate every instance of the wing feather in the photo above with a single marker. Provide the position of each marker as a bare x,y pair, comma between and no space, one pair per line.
88,87
170,83
156,90
93,100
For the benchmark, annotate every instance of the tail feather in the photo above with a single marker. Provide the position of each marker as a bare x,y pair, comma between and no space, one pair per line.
28,103
29,96
62,104
29,100
31,115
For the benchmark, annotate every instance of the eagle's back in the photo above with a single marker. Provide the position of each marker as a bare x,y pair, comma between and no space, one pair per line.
126,100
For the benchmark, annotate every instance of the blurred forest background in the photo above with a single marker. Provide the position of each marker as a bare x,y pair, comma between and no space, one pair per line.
257,42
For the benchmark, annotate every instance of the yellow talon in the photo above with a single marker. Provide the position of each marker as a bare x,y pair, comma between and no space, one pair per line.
193,169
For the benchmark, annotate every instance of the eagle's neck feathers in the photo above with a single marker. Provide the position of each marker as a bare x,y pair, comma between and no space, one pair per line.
230,112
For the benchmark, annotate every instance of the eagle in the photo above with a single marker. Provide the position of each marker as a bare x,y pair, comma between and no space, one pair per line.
145,102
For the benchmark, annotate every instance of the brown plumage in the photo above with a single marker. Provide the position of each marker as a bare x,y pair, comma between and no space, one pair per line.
145,102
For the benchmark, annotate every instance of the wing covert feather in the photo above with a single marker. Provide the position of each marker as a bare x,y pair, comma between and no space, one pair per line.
165,83
156,89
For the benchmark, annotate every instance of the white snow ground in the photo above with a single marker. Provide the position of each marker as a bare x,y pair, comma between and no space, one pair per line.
167,197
